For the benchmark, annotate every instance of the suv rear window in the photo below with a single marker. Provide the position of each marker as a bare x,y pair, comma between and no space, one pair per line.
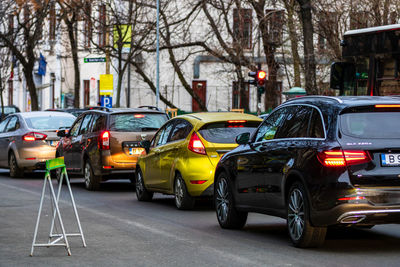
371,124
137,122
226,132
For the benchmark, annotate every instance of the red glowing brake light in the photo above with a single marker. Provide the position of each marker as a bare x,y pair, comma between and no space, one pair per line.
195,145
33,136
138,116
237,121
387,106
105,140
341,158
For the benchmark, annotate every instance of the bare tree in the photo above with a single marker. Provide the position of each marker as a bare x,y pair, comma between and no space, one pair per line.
5,74
22,40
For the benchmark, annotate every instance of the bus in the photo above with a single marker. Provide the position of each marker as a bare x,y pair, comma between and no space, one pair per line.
370,62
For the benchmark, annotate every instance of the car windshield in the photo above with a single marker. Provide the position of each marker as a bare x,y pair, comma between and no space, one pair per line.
137,122
49,122
371,124
226,132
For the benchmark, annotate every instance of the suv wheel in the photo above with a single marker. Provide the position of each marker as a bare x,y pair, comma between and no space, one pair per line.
301,232
15,171
183,201
142,194
228,216
92,182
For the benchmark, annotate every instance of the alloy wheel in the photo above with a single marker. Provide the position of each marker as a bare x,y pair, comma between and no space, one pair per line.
296,219
179,194
87,175
139,184
222,200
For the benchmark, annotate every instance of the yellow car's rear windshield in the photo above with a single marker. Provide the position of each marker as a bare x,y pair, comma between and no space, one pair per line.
226,132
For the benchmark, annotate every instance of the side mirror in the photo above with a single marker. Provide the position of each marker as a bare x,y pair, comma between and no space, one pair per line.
242,139
146,145
61,133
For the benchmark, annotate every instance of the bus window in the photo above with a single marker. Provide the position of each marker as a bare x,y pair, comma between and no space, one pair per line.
387,76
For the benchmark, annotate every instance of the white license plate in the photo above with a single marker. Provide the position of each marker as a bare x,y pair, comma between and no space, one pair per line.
135,150
390,159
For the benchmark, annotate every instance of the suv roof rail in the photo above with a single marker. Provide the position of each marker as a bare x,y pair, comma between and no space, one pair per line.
318,96
150,107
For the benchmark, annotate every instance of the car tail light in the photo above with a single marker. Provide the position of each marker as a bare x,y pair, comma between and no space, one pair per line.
351,198
105,140
198,181
236,123
388,106
138,116
195,145
341,158
33,136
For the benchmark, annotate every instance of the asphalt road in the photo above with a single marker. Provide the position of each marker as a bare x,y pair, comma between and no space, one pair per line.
120,231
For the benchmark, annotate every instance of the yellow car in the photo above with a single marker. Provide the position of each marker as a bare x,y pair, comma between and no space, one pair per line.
182,156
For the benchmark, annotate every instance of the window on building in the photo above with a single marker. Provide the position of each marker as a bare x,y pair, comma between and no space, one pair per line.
52,22
328,23
275,23
242,27
240,100
11,23
102,26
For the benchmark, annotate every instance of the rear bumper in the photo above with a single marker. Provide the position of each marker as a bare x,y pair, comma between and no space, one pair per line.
108,167
35,157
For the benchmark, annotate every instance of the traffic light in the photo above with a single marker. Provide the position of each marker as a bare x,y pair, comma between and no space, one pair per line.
259,80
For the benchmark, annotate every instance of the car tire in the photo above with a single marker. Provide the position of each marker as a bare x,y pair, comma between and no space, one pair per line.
301,232
227,215
92,182
142,194
15,171
183,201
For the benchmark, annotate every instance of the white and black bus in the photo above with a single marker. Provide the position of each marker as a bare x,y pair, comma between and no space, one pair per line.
371,62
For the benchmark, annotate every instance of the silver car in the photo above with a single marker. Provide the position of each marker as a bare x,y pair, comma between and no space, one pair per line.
28,139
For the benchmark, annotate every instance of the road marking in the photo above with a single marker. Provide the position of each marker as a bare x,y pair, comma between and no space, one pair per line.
220,253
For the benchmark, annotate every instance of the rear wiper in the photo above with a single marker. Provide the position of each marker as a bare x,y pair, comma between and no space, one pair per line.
145,129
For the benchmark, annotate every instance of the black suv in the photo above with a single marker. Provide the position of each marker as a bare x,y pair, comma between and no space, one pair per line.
316,161
104,144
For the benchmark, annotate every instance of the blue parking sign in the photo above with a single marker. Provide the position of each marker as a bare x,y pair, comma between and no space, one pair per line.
106,101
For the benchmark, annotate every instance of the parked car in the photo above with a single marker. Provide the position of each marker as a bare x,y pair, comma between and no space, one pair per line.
317,162
105,144
28,139
182,156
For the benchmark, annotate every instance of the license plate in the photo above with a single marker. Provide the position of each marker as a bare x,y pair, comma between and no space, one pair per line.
390,159
135,150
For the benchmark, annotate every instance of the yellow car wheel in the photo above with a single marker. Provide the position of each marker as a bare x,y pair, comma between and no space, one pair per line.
183,200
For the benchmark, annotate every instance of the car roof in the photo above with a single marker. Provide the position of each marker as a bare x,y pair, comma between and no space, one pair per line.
45,113
126,110
345,101
207,117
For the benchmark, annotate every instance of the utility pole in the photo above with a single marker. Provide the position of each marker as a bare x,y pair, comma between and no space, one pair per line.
259,68
158,55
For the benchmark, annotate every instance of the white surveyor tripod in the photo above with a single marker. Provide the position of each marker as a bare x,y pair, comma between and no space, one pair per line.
56,239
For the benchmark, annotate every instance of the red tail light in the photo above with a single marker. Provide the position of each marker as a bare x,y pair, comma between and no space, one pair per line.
198,181
195,145
105,140
33,136
341,158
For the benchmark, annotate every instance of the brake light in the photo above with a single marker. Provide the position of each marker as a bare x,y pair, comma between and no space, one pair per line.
236,121
195,145
387,106
138,116
351,198
33,136
105,140
341,158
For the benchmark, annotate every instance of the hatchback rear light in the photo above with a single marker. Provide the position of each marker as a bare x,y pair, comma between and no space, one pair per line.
33,136
105,140
138,116
341,158
195,145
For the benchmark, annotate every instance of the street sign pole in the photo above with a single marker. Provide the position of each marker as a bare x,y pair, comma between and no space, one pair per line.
158,55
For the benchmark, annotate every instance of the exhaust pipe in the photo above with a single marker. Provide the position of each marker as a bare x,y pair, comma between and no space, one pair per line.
353,219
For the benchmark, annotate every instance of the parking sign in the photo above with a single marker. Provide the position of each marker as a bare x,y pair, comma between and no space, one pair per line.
106,101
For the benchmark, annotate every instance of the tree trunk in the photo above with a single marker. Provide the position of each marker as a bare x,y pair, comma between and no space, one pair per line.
31,87
74,52
309,57
119,84
294,44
